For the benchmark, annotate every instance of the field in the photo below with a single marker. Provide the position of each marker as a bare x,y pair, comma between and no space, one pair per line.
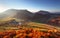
29,30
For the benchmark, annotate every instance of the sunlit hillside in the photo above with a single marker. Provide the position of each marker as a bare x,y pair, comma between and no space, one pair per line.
10,28
13,23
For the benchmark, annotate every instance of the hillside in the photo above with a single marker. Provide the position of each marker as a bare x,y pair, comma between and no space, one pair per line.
24,14
14,23
40,16
12,29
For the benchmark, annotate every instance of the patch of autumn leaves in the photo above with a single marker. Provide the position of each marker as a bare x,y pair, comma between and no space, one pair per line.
29,33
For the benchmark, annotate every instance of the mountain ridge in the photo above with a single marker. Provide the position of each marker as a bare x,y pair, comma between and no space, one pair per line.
40,16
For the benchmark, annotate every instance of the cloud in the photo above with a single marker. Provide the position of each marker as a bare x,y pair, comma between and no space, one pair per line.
33,10
3,8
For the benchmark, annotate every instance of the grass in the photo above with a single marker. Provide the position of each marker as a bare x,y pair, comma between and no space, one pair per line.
34,25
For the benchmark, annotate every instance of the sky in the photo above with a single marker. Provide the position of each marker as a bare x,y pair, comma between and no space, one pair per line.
31,5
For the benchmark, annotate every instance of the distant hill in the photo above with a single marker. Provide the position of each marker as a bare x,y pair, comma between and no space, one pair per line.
46,17
40,16
10,12
24,14
19,14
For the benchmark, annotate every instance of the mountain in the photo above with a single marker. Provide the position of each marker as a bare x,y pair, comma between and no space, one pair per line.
41,16
19,14
47,17
24,14
42,12
10,12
